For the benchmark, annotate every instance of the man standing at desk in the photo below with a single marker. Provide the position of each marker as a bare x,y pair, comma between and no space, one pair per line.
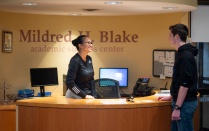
184,81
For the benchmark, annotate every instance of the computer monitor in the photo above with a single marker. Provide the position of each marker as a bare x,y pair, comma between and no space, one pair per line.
41,77
119,74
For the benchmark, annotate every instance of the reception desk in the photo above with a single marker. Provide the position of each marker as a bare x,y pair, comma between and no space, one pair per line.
66,114
7,117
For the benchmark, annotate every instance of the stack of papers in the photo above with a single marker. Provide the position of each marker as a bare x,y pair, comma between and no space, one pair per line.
163,93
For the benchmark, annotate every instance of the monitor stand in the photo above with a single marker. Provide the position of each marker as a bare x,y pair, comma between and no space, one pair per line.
42,91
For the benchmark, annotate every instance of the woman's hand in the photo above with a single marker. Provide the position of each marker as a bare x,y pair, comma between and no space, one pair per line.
89,97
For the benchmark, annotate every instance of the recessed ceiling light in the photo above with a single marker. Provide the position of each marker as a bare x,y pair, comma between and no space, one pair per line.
29,4
75,14
90,10
169,8
113,3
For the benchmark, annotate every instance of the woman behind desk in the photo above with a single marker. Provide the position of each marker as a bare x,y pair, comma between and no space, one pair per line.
80,70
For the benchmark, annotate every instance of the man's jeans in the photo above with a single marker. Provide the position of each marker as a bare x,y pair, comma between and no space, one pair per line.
187,112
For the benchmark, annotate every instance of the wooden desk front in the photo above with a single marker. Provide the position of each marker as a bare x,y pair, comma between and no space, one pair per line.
7,118
65,114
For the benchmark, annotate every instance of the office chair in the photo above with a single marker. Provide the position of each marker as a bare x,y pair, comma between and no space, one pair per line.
105,88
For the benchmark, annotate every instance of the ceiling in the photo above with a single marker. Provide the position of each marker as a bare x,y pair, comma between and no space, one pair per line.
98,8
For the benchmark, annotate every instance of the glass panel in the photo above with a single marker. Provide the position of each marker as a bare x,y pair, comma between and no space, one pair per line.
203,64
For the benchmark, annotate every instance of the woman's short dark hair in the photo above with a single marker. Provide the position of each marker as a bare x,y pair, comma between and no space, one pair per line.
181,30
78,40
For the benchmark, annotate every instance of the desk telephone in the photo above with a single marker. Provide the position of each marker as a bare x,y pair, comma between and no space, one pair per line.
141,87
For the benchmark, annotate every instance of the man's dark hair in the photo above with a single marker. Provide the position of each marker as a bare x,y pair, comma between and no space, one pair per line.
181,30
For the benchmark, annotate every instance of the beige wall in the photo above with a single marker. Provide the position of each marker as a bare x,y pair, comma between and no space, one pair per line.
152,32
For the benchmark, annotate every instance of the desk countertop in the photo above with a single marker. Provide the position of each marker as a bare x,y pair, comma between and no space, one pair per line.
7,107
62,102
93,114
